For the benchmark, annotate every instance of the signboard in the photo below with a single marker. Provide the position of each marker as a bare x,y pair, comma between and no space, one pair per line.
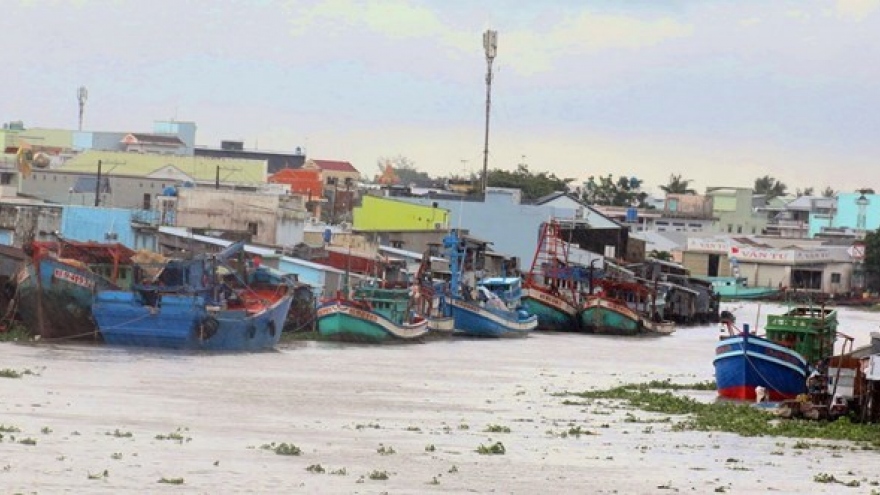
712,245
857,251
769,255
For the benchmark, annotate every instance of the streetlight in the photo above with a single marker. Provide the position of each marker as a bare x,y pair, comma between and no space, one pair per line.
861,221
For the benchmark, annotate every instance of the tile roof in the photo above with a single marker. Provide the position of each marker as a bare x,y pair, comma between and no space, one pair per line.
199,168
337,166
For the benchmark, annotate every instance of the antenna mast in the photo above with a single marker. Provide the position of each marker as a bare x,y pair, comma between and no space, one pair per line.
490,45
82,94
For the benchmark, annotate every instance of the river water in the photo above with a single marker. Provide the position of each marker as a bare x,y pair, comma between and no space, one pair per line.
427,406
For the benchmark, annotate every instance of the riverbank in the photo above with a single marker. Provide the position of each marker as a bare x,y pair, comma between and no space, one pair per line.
414,414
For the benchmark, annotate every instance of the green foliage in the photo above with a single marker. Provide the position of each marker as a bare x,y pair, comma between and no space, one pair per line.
497,429
605,191
770,187
742,419
282,448
315,468
660,255
677,185
496,448
383,450
17,332
533,185
379,475
404,168
872,259
171,481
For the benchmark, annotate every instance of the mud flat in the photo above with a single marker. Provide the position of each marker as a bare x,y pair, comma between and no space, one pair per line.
395,419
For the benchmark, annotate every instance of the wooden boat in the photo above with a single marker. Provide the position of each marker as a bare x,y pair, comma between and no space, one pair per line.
737,288
551,286
781,360
57,285
483,315
201,303
620,307
373,313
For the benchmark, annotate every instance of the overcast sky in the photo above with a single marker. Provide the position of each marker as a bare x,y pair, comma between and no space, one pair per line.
720,92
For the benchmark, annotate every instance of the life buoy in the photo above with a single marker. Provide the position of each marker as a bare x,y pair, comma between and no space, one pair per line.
271,328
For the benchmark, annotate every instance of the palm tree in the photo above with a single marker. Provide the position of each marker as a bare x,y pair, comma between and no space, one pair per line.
677,185
770,187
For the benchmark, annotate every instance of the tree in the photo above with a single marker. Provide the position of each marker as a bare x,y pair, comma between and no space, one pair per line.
605,191
828,192
660,255
532,185
770,187
872,259
403,168
677,185
807,191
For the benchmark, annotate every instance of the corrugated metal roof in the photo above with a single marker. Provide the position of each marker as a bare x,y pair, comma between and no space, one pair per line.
200,168
53,138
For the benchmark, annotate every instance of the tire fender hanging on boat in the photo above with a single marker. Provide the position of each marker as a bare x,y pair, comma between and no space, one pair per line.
252,331
271,328
208,327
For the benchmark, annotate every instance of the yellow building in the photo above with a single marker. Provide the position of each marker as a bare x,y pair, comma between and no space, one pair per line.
387,214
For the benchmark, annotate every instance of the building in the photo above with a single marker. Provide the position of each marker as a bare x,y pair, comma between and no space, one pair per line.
305,182
135,180
796,218
378,214
735,210
275,160
771,262
267,219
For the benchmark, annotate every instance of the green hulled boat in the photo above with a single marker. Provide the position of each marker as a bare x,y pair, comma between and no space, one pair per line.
371,314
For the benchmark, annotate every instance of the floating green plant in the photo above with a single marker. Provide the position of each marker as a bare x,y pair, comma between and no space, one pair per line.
28,441
98,476
282,448
379,475
497,429
383,450
496,448
119,434
171,481
742,419
315,468
9,429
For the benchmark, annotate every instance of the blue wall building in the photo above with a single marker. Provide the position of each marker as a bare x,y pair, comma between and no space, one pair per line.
87,223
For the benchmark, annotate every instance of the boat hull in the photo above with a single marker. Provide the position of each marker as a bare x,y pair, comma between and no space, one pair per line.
748,294
441,324
55,299
745,362
478,321
601,316
340,321
185,322
554,313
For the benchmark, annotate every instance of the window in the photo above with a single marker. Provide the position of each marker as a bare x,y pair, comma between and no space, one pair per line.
835,278
729,228
252,228
5,179
739,229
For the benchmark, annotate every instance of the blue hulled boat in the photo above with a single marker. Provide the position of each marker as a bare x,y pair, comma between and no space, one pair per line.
57,285
482,314
201,303
780,361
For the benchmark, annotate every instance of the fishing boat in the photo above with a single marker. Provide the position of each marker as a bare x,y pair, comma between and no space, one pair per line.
552,285
624,307
203,303
58,282
477,311
738,288
374,312
779,361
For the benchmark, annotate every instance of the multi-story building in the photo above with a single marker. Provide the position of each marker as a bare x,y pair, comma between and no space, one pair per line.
736,210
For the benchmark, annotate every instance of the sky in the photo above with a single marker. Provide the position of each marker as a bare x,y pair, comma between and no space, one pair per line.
719,92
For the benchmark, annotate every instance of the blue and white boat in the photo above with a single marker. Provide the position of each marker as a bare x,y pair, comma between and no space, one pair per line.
483,313
781,361
200,304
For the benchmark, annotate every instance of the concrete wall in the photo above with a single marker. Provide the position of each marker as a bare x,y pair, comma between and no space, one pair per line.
30,222
87,223
126,192
386,214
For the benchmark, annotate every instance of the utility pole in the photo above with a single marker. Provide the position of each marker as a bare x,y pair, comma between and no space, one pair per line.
490,45
82,94
98,184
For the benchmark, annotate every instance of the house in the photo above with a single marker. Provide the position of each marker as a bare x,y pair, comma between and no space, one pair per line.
810,265
305,182
275,160
377,214
793,220
340,187
152,143
736,210
135,180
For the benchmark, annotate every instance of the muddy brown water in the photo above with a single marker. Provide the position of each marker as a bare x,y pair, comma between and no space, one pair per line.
341,403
